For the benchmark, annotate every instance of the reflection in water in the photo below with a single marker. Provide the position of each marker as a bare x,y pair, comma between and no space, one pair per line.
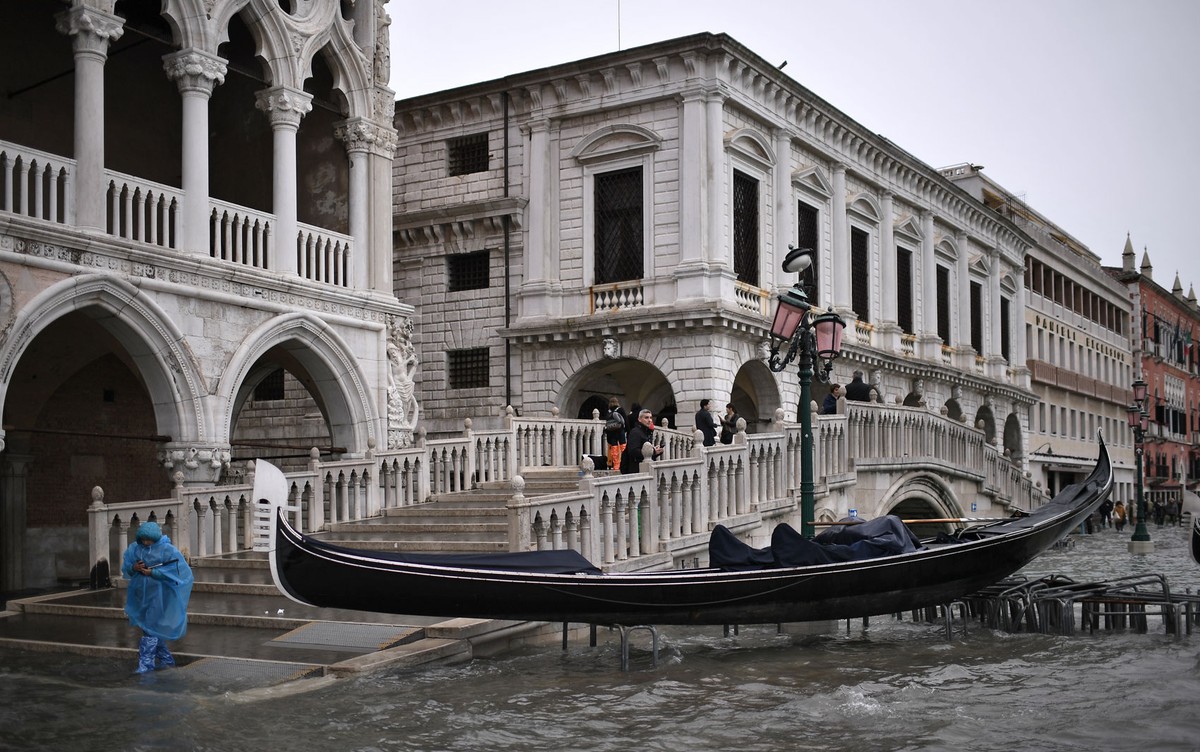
894,686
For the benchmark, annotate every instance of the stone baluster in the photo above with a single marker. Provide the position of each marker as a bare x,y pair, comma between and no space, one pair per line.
621,514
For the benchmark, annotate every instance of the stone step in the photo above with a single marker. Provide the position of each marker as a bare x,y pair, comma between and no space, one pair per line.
424,513
464,500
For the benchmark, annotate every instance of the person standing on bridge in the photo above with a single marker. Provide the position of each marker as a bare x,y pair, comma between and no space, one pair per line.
160,585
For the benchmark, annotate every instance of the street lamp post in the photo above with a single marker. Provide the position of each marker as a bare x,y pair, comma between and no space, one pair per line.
810,339
1139,421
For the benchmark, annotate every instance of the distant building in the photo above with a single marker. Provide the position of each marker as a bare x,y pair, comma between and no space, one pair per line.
616,225
1077,341
1166,349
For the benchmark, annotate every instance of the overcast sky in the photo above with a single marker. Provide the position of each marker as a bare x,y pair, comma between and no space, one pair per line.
1087,109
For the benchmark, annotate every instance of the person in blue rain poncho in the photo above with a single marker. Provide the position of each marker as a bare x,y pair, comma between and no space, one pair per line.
160,584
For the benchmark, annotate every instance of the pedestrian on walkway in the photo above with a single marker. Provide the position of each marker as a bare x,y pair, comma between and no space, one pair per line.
160,585
1119,516
729,423
614,432
706,423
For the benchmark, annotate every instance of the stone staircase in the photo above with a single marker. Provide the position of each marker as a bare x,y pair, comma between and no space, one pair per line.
244,633
474,521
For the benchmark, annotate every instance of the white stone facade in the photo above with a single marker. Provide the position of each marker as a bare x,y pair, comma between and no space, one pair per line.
691,114
157,270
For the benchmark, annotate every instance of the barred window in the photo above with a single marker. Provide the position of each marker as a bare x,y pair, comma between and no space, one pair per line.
904,306
270,388
467,271
619,228
468,369
1004,329
860,272
808,236
467,154
745,228
977,317
943,304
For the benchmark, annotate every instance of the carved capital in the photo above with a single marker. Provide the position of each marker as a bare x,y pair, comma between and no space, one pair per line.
194,463
90,30
193,70
360,134
284,105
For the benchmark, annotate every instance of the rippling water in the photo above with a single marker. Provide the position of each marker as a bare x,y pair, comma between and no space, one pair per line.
894,686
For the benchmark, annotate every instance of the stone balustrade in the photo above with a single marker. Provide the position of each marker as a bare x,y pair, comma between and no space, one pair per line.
660,516
36,184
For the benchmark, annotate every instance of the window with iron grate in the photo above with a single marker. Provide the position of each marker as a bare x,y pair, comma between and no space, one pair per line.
860,273
468,368
808,236
467,154
467,271
745,228
977,317
619,226
270,388
904,306
943,304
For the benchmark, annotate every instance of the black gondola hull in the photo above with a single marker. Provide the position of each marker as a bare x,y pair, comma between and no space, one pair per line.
321,574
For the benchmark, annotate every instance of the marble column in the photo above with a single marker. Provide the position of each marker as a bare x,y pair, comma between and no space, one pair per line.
785,221
13,473
285,107
534,288
839,266
195,73
928,341
365,141
888,331
692,210
91,31
715,246
960,326
995,359
1018,352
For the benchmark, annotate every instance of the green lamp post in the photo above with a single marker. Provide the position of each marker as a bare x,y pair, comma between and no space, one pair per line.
1139,421
810,340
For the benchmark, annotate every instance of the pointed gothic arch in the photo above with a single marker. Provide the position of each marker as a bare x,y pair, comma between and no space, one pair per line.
155,346
334,378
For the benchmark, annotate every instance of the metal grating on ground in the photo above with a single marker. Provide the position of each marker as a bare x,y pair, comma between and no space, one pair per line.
343,635
248,671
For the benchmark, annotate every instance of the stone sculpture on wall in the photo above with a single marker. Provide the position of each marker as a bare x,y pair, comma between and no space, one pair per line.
402,405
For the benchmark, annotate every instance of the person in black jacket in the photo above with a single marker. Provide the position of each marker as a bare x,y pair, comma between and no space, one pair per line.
706,423
858,390
640,434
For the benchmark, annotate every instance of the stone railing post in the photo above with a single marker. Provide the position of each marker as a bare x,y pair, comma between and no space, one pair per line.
99,527
520,525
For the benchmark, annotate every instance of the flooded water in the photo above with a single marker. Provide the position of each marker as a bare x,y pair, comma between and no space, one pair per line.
894,686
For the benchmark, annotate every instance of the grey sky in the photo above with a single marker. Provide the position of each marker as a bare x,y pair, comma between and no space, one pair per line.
1087,109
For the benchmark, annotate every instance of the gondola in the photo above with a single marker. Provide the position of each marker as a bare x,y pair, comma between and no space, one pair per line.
564,586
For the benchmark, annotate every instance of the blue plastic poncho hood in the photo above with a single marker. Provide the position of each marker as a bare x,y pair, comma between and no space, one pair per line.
158,604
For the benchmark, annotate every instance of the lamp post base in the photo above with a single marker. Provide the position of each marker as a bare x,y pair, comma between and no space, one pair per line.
1141,546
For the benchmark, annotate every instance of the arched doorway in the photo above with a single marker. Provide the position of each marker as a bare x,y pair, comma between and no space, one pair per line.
755,396
635,383
78,414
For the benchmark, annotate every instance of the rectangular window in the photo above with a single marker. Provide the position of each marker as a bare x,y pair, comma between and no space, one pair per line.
977,317
467,154
943,304
745,228
808,236
860,273
467,271
271,387
620,235
904,307
468,369
1004,329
